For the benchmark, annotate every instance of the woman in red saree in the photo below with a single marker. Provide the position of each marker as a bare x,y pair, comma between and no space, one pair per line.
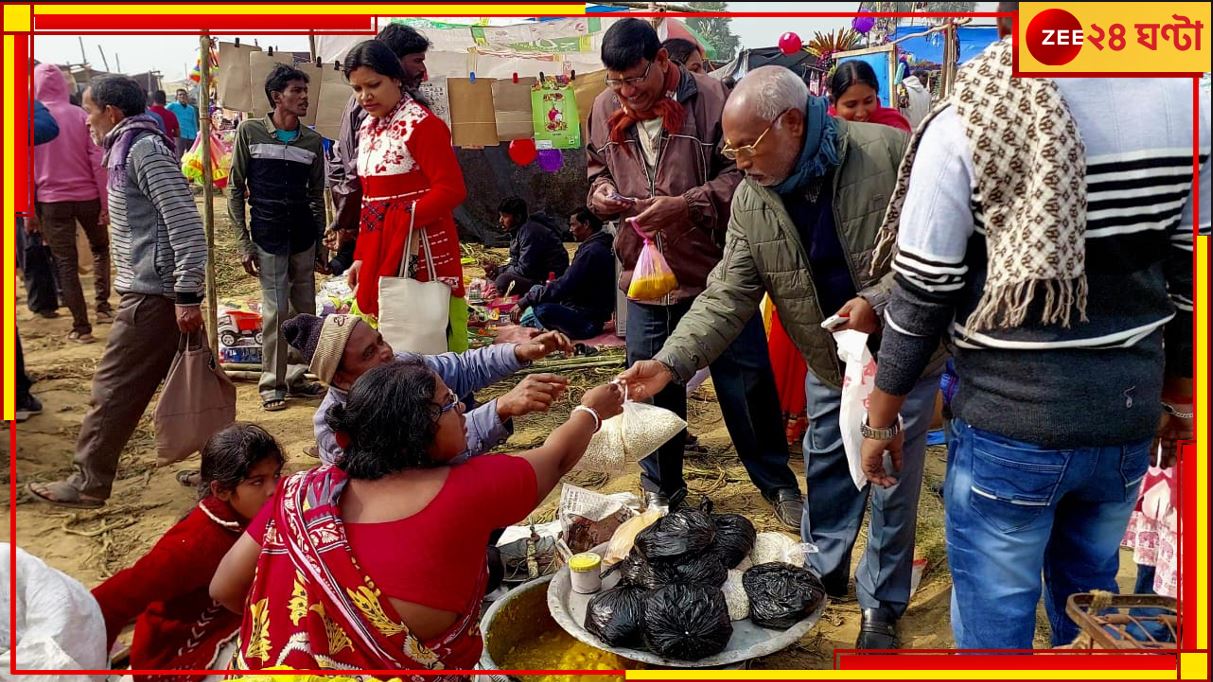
378,563
409,175
854,95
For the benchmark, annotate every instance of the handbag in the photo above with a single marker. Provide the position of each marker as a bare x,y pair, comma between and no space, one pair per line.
413,315
197,401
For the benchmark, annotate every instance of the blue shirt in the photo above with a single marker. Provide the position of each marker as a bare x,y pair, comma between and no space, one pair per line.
187,118
286,135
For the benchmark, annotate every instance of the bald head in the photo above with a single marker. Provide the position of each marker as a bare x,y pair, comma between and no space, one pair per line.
767,92
763,123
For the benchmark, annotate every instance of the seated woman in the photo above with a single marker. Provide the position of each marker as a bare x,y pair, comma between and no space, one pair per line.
166,593
378,562
582,300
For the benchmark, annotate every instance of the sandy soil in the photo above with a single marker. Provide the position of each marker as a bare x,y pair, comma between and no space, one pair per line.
147,500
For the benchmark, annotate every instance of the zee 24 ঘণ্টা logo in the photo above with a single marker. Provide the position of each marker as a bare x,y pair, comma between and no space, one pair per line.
1055,36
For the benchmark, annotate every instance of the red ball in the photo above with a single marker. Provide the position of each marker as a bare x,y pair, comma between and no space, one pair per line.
523,152
789,43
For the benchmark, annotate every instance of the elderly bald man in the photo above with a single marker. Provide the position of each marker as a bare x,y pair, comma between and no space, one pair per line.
803,227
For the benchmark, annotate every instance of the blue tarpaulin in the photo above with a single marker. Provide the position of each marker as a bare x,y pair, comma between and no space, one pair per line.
973,39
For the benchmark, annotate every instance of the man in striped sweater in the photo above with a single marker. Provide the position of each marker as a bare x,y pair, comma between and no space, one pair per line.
159,253
1053,246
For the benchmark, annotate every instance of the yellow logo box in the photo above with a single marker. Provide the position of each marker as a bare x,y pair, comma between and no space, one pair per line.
1090,38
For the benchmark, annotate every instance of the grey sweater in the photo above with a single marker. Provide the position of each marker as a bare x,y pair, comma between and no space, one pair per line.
158,244
1098,382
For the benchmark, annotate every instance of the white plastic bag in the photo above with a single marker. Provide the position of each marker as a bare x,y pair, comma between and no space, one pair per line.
632,435
773,546
735,597
857,385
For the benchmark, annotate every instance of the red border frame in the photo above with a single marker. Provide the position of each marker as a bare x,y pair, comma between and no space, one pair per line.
899,660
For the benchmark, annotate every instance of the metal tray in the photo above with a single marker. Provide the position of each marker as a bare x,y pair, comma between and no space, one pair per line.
748,641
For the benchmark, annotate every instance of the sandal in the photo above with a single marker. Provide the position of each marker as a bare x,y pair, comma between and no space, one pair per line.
307,389
189,478
105,317
63,494
274,404
82,338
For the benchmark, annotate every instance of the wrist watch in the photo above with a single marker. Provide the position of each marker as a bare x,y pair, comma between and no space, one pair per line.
886,433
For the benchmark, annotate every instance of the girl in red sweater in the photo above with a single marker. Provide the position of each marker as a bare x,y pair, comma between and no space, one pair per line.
177,624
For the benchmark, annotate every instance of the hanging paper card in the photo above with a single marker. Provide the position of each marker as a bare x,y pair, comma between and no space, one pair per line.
554,116
235,90
512,102
473,123
436,92
331,103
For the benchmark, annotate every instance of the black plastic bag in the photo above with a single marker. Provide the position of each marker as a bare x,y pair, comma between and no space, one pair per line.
687,622
617,616
703,568
635,570
735,537
781,594
676,534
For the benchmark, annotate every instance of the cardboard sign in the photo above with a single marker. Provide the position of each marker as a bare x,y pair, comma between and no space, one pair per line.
331,103
473,119
438,93
513,104
235,89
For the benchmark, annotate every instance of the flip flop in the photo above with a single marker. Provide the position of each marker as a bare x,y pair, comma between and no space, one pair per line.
81,337
64,494
189,478
274,404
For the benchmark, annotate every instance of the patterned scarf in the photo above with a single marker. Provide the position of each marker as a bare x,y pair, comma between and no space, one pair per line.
311,606
1030,166
117,143
820,151
668,108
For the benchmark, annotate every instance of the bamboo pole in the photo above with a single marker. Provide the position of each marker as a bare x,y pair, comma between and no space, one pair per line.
208,199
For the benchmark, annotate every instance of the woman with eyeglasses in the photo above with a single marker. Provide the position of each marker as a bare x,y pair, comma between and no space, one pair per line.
378,562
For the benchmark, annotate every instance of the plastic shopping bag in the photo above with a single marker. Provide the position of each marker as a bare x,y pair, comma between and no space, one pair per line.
857,385
634,434
652,277
221,161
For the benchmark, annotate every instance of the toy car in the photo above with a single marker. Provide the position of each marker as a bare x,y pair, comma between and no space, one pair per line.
236,325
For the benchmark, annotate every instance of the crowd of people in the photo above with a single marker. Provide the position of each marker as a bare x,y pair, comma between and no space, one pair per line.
1048,254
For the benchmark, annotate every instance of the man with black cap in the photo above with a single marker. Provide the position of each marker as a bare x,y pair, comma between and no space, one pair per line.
341,348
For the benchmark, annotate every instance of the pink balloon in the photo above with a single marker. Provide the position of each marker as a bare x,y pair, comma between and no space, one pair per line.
550,160
790,43
522,152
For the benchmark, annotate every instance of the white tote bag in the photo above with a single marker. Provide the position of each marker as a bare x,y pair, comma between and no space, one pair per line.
413,315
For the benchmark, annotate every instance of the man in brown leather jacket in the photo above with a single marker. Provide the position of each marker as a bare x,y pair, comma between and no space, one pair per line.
654,154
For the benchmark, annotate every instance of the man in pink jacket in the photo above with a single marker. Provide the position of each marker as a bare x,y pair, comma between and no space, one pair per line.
69,188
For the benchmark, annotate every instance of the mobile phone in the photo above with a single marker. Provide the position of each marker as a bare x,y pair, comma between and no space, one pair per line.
833,322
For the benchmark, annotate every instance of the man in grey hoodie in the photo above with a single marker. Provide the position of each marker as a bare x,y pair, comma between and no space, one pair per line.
159,254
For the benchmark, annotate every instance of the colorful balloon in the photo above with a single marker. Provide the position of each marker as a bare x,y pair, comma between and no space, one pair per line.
790,43
550,160
522,152
863,23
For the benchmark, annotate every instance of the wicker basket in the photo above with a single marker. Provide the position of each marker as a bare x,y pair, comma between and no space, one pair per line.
1105,621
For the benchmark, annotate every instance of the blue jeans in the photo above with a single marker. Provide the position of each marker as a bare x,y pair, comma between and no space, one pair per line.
1016,511
745,389
577,324
834,508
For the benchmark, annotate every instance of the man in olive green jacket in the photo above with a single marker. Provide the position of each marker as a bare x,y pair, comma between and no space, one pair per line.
803,227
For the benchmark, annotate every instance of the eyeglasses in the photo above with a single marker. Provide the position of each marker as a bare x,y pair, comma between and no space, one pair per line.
750,150
452,401
617,83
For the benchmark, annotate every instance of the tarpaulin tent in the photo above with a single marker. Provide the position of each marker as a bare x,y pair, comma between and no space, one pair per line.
972,40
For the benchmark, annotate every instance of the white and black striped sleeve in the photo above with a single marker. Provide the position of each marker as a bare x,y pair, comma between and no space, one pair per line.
929,268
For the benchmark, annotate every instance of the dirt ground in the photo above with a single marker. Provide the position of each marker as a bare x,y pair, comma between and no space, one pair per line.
147,500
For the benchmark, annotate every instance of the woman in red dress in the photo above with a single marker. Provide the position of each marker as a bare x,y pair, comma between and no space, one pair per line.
409,175
378,562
